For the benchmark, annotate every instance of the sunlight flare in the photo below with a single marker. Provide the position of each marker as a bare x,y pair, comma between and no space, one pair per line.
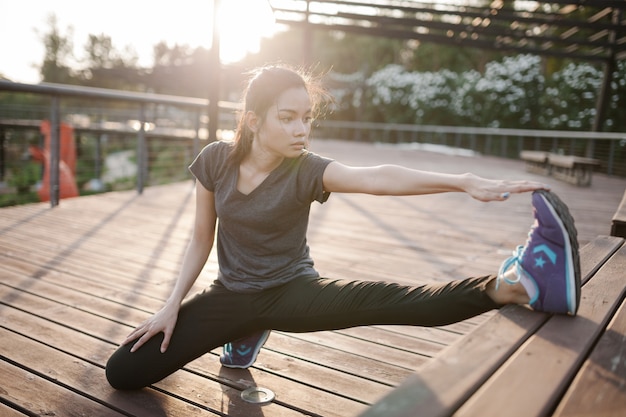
242,24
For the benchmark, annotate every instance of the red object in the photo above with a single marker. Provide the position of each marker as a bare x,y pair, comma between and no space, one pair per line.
67,163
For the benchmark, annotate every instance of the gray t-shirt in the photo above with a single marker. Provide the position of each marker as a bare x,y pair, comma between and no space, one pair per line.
261,237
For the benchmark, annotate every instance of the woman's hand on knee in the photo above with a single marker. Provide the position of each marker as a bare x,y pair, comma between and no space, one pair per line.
163,321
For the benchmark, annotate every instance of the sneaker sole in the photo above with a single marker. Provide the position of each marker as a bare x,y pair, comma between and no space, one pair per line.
566,220
257,349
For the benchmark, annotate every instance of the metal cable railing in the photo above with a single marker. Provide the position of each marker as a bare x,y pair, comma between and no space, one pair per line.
137,118
130,140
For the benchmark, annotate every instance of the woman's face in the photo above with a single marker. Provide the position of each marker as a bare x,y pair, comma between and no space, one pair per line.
287,125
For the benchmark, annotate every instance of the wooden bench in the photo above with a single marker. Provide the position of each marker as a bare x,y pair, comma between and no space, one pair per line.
524,363
536,161
618,224
573,169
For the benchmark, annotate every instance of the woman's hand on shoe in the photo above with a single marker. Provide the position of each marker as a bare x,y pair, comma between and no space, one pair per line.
483,189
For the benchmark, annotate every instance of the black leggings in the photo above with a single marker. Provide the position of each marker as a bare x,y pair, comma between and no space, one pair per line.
217,316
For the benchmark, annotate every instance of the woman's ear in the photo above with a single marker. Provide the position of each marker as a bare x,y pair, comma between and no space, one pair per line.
252,121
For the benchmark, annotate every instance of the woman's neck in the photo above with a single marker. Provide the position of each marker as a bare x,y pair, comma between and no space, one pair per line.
260,161
254,169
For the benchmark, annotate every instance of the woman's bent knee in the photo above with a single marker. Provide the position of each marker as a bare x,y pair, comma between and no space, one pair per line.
119,371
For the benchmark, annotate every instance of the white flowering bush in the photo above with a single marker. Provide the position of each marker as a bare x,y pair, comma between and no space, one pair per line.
617,102
431,96
512,93
390,90
570,100
422,97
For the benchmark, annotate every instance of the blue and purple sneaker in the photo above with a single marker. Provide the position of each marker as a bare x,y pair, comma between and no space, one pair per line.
243,352
548,264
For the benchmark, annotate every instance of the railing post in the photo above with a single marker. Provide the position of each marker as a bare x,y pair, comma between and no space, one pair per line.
196,138
609,167
141,148
55,150
2,154
98,158
215,69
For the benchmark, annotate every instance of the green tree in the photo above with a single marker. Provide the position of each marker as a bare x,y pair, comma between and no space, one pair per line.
101,53
106,66
179,70
58,53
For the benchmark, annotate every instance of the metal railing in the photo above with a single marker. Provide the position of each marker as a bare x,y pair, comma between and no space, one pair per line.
185,119
609,148
57,92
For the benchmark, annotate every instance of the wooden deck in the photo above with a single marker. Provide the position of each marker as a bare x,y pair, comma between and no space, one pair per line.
77,278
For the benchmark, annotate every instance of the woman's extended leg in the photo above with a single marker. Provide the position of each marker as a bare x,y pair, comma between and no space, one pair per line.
217,315
323,304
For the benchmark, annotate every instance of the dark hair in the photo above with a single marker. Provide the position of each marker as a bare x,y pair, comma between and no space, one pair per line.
264,87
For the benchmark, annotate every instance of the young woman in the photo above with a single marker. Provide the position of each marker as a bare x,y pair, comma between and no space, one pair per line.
260,188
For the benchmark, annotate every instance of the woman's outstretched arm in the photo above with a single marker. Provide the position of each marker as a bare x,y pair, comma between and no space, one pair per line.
398,180
195,257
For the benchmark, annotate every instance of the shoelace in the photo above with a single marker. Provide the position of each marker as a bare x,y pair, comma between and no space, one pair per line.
516,260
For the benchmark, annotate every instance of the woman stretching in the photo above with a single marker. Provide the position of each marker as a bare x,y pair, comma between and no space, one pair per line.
261,187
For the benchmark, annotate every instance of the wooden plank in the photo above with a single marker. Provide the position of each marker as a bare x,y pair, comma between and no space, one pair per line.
405,342
195,389
6,411
446,382
84,380
533,380
383,353
599,389
440,335
54,237
31,392
596,253
325,354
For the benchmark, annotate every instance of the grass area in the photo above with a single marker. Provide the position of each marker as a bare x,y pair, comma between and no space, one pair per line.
14,199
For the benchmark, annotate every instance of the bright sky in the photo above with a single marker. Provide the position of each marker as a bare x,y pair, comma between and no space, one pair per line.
140,24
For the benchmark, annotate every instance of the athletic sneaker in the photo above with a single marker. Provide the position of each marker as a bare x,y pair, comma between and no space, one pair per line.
548,264
243,352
